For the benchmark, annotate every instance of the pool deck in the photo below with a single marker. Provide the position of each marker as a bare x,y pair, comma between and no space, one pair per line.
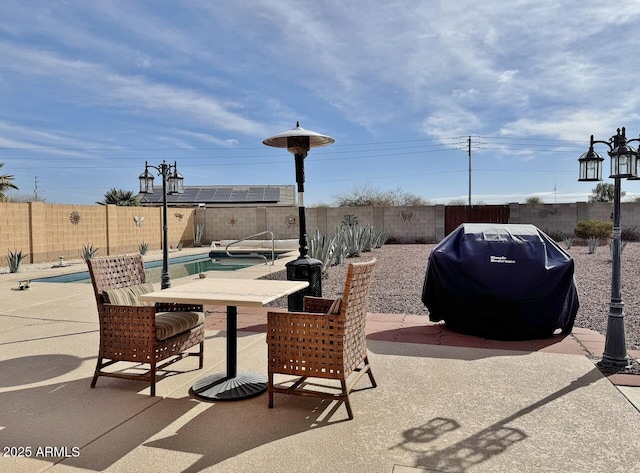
445,402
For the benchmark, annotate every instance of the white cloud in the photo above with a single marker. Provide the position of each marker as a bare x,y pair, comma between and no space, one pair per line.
134,93
507,76
207,138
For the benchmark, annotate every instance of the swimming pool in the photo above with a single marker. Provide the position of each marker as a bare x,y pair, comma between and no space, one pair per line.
178,267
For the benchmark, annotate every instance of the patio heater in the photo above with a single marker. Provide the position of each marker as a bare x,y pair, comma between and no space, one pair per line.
172,183
298,142
624,162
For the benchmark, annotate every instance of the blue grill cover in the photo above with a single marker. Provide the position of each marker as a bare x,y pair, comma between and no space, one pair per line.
504,282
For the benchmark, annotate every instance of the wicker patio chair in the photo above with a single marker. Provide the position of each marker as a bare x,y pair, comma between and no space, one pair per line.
138,333
326,341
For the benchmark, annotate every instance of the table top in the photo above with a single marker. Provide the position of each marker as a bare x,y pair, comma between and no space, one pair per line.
230,292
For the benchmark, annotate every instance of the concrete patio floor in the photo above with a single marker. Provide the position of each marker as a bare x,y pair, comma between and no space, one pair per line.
445,402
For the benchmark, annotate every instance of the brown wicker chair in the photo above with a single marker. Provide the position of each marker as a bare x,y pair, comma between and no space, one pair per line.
129,332
324,341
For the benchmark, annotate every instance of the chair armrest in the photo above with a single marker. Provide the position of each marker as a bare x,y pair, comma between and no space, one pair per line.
296,324
291,319
316,304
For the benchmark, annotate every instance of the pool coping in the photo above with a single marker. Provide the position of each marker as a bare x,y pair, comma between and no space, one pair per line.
76,266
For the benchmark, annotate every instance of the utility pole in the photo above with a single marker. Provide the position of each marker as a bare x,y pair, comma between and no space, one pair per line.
35,190
469,170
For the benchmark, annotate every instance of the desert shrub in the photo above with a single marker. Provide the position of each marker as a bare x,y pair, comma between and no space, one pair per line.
594,229
555,235
394,240
630,234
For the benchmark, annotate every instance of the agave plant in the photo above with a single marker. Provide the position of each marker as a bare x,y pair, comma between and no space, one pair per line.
568,242
199,231
323,247
350,236
592,244
381,238
14,258
622,245
143,248
88,252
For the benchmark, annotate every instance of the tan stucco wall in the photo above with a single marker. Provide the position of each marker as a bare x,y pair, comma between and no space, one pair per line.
48,231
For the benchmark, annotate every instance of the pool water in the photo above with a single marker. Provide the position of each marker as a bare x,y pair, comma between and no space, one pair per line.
178,268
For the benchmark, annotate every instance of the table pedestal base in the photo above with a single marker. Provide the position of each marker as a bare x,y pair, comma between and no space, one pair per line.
220,387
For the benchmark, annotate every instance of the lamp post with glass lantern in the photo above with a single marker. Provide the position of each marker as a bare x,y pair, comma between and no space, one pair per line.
298,142
172,183
624,160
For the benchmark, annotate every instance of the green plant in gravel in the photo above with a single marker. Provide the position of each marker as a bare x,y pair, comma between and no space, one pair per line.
14,258
143,248
323,248
199,231
622,245
339,246
568,242
348,241
592,244
380,238
592,228
88,252
350,235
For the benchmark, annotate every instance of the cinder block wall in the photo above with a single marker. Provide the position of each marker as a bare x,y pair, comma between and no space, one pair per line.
14,228
48,231
550,218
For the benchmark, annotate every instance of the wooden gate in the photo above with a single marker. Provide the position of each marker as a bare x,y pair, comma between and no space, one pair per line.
454,215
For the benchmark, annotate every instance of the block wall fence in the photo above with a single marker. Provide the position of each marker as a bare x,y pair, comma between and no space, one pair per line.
48,231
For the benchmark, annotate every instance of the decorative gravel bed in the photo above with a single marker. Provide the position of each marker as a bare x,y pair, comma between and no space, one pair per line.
400,272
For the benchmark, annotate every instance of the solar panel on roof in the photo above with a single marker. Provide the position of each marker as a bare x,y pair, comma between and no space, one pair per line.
222,194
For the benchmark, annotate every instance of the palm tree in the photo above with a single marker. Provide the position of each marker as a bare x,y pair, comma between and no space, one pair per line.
6,183
120,197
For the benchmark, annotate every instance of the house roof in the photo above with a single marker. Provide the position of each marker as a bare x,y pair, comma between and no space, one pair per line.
220,195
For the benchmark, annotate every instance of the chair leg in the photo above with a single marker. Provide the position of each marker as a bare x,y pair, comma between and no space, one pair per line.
269,387
345,394
96,373
201,355
369,372
153,379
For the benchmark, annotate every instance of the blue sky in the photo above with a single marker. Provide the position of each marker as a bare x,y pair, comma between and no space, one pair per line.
90,90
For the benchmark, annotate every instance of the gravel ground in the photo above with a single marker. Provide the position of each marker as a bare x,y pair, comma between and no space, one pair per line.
400,272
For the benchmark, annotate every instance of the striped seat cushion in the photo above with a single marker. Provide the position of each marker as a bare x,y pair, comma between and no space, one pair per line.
128,295
138,290
169,324
120,296
335,307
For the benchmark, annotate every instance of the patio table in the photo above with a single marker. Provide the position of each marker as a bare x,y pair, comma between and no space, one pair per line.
232,385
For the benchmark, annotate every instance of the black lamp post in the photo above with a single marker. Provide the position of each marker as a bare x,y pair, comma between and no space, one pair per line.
624,162
298,142
172,183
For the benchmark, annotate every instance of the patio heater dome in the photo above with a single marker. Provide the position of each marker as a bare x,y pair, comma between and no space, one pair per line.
298,140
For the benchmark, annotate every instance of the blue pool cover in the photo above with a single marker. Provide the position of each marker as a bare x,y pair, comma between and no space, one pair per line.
501,281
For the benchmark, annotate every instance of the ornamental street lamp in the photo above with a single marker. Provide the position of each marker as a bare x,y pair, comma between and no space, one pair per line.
172,183
298,142
624,165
